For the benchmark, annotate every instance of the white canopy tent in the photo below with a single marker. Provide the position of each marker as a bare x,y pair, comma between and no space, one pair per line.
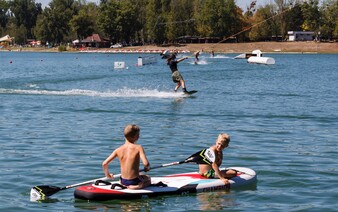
75,41
6,38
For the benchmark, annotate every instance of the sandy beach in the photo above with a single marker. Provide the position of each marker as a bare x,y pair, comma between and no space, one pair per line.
268,47
303,47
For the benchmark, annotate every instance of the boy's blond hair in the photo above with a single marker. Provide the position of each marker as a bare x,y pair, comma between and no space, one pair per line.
130,131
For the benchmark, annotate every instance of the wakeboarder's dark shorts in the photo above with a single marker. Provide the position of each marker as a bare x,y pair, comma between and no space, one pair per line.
134,181
176,76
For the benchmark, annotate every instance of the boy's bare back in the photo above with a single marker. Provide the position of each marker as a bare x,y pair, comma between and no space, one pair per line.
129,155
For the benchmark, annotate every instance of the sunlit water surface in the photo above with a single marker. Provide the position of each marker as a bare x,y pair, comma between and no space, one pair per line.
62,114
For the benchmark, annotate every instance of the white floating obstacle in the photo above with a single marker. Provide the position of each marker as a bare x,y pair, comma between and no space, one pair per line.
146,60
119,65
259,59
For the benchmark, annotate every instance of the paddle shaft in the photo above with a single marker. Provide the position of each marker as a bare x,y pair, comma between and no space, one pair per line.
169,164
83,183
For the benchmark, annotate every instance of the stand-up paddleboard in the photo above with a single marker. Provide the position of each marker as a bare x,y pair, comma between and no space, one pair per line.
184,183
41,192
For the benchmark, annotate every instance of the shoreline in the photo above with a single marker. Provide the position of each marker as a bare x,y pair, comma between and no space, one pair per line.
309,47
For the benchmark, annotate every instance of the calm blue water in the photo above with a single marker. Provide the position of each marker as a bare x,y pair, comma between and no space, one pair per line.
62,114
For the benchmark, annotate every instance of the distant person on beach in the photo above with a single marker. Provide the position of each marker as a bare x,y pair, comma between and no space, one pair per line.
212,53
129,155
176,75
212,170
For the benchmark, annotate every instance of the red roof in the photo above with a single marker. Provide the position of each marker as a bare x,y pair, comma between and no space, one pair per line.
94,38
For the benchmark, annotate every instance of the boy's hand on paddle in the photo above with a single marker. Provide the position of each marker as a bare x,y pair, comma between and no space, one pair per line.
146,168
110,176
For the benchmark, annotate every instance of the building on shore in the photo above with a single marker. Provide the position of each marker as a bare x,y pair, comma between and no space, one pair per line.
301,36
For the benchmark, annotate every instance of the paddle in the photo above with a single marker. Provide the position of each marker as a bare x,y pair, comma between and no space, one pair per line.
41,191
205,156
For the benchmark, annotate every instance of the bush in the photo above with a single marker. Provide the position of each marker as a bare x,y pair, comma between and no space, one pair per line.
62,48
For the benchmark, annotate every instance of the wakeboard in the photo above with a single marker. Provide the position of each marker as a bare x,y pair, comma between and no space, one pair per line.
190,92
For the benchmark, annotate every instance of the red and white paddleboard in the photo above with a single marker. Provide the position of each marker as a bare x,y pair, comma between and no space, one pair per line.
172,184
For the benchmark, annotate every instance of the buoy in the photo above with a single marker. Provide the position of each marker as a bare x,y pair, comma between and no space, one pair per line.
119,65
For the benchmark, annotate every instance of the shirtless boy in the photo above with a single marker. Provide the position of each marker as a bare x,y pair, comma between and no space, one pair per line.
129,155
212,170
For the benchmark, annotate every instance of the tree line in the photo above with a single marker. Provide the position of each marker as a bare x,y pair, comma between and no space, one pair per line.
163,21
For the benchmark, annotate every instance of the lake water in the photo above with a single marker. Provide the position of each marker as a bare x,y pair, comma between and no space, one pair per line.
62,114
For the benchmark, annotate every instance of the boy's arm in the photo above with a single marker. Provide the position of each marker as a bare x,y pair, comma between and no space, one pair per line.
105,163
144,160
218,173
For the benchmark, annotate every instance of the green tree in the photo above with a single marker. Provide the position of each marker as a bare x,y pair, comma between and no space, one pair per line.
84,24
205,18
107,19
294,18
59,14
18,32
127,23
42,30
218,18
282,7
311,15
263,25
4,6
155,24
329,20
141,12
180,19
233,18
25,15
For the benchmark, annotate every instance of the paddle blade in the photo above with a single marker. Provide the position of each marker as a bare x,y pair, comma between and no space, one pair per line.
43,191
205,156
210,155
